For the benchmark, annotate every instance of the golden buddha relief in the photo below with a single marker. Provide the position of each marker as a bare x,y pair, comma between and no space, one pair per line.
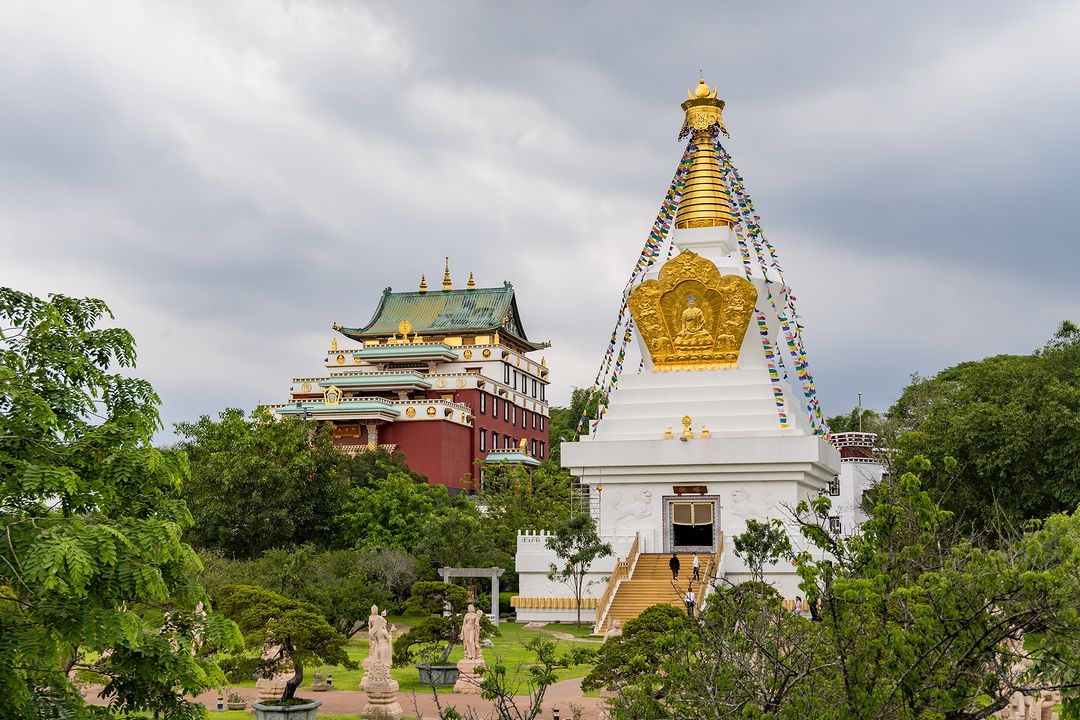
691,317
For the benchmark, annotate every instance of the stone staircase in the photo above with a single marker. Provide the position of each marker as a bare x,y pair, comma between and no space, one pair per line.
651,584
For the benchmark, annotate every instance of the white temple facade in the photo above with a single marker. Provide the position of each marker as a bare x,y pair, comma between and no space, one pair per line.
706,436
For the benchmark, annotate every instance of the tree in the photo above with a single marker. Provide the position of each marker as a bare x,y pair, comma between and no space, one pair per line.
338,582
630,664
871,421
577,544
516,499
442,604
1008,421
916,621
763,543
297,629
259,482
394,510
459,538
93,573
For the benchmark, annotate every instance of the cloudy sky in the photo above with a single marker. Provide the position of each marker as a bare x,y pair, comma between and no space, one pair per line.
235,176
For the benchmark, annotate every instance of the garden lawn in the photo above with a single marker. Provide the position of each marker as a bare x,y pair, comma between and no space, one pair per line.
507,647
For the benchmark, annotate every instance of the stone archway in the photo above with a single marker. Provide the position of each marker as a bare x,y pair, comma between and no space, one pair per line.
446,573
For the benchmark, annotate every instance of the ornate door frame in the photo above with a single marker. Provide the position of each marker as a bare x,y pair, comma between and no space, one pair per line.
668,500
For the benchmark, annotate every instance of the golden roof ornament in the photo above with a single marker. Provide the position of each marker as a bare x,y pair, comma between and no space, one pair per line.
423,283
706,201
472,282
446,283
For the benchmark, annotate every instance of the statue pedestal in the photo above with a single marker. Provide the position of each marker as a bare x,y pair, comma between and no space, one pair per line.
469,679
272,688
381,692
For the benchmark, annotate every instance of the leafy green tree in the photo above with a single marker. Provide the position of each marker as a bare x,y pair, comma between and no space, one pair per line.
631,664
259,482
93,573
763,543
460,538
872,421
577,545
1009,423
297,629
394,510
338,582
916,621
443,605
516,499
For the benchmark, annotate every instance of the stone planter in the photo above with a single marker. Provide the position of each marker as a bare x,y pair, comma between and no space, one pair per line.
236,705
307,711
438,674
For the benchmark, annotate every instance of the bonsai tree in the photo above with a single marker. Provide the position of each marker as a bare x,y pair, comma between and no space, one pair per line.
443,604
297,629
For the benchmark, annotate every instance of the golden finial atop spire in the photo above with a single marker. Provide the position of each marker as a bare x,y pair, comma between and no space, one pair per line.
706,201
423,283
446,283
472,282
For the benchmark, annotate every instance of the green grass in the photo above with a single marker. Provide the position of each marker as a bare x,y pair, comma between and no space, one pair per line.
508,648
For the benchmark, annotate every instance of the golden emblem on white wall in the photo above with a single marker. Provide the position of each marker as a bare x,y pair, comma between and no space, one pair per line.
691,317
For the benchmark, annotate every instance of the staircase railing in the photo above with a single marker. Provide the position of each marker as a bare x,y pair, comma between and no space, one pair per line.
715,568
623,569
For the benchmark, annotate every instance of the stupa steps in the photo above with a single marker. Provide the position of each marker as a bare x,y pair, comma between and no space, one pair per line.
640,397
651,584
625,428
696,380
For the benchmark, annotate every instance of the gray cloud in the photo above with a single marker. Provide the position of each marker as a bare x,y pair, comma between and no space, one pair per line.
235,177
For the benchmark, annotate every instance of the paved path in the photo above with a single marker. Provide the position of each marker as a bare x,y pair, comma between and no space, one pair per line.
560,635
561,694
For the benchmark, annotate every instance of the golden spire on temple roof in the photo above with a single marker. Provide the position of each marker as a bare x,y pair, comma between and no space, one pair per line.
446,283
423,283
472,282
706,201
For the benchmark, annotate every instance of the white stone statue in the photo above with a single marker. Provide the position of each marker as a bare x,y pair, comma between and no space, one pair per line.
380,638
470,633
614,631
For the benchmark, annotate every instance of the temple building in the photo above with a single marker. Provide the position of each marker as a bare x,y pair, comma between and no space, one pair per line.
720,423
447,377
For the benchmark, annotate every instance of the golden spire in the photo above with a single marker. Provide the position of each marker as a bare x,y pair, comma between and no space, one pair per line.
446,284
472,282
423,283
706,201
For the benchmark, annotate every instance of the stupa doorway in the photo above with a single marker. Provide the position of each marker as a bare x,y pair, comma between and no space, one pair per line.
692,523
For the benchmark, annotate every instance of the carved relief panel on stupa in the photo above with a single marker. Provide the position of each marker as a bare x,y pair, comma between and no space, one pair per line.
691,317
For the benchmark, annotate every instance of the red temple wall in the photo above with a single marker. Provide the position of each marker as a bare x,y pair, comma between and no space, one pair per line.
436,448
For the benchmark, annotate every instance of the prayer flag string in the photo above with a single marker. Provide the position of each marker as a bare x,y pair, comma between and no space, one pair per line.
611,366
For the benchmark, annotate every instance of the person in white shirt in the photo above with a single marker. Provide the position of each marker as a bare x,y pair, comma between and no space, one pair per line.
697,569
690,599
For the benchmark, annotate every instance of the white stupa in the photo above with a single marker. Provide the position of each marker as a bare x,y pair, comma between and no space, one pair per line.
714,430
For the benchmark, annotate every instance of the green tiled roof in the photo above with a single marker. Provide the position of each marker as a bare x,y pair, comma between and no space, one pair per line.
510,456
385,380
373,405
445,311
